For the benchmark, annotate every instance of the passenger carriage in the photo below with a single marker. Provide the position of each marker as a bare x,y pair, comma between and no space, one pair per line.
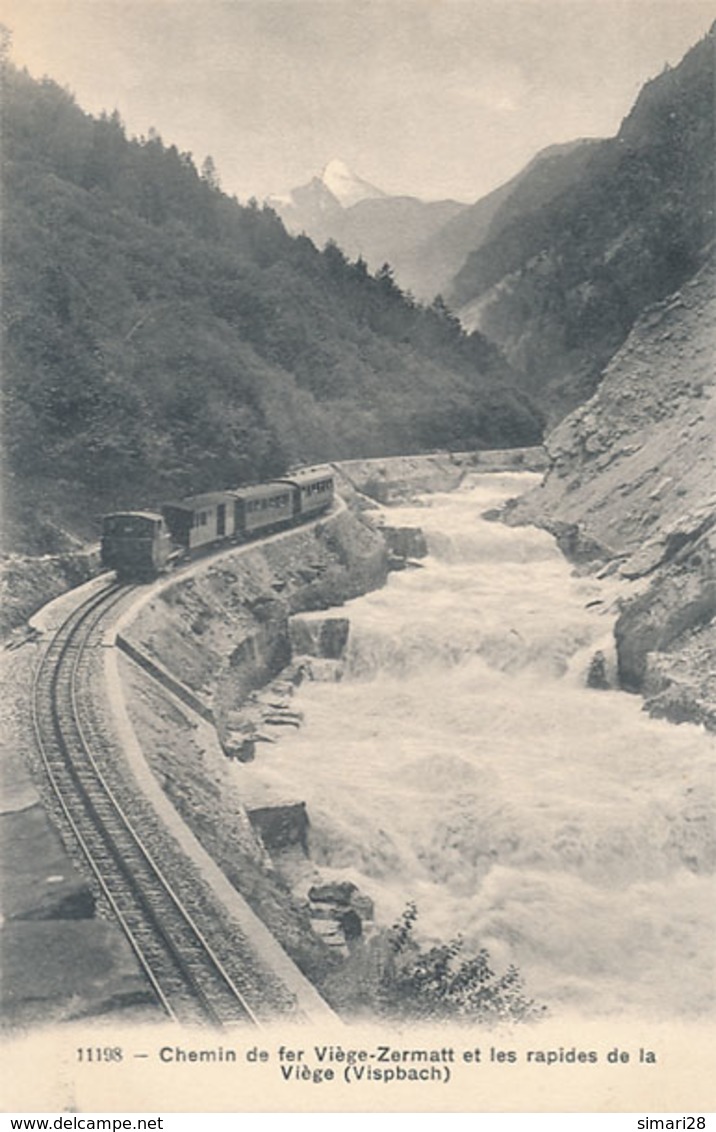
313,489
201,519
262,506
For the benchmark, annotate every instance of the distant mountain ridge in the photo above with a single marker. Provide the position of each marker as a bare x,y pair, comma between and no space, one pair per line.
426,243
363,220
337,184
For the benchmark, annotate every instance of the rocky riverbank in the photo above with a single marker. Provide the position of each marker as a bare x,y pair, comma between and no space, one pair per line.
631,488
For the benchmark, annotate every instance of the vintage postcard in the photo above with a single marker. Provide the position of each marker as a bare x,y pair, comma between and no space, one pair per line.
358,557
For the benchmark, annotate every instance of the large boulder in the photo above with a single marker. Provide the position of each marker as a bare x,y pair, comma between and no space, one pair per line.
681,598
282,826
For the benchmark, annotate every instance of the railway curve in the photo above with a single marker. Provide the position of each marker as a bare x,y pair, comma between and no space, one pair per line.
139,874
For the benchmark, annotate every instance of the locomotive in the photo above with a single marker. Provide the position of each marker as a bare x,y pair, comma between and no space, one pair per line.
138,545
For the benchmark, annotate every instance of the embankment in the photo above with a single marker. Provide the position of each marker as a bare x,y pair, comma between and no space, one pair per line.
207,639
399,477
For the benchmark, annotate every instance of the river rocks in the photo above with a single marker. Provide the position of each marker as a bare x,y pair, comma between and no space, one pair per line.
341,895
405,542
260,716
680,685
333,637
241,747
670,543
576,544
339,911
597,672
322,670
320,637
282,826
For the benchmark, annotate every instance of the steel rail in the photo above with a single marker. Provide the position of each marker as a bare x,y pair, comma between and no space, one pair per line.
73,636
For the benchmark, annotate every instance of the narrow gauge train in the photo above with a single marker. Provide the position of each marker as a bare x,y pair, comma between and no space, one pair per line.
141,544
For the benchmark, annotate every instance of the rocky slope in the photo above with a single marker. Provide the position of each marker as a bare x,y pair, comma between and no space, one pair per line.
632,482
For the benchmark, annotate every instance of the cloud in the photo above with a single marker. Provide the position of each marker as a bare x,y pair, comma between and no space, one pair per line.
502,91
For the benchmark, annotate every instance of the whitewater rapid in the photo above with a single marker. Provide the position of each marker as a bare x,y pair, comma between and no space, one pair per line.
462,763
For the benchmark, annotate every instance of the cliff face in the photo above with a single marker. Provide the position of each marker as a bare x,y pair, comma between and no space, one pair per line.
632,480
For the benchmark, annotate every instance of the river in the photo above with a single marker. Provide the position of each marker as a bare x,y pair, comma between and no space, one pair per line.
462,763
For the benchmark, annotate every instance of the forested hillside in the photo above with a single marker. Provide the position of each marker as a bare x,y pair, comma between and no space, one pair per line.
560,285
159,338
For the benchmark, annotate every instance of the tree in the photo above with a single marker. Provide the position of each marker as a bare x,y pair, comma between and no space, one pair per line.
441,309
5,42
386,280
209,173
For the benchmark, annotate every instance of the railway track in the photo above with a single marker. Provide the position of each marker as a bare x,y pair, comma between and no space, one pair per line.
159,916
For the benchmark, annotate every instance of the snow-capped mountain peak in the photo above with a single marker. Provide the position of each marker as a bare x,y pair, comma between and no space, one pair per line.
346,186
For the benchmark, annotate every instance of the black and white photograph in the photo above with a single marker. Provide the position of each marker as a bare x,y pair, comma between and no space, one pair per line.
358,557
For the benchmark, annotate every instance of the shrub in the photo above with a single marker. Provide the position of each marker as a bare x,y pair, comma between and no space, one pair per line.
440,982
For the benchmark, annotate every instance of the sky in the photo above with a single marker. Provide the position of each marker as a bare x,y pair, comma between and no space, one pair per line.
430,98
